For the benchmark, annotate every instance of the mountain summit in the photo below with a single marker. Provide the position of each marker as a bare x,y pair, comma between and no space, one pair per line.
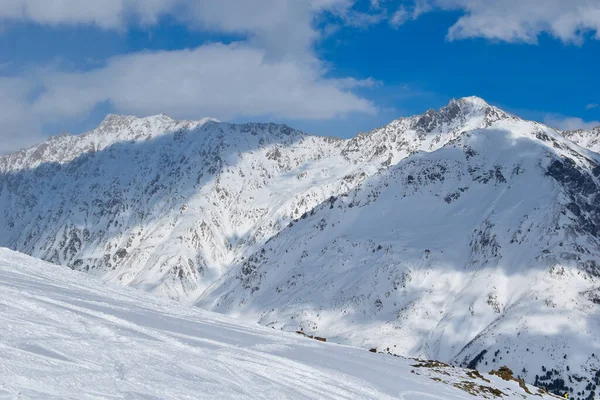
464,234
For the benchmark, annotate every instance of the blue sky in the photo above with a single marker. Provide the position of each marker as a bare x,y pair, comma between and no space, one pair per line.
332,67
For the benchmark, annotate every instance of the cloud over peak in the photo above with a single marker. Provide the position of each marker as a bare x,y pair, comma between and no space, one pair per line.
224,81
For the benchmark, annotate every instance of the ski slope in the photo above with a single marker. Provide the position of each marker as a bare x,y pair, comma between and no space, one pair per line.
66,335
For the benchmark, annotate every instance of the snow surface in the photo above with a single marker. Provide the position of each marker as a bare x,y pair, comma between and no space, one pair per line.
69,336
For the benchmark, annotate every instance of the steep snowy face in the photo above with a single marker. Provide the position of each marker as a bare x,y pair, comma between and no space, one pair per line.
590,139
168,205
161,204
482,253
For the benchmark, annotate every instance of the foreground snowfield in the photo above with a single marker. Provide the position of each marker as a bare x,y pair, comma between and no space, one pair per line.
65,335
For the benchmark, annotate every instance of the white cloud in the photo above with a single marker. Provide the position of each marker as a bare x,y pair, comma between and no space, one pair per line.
273,71
17,127
591,106
409,10
222,81
519,20
400,17
375,4
569,123
358,19
107,14
282,26
353,83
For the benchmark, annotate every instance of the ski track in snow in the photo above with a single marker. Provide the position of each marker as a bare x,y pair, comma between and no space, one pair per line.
66,335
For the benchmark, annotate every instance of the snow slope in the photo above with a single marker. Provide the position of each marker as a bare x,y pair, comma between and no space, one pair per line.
68,336
483,253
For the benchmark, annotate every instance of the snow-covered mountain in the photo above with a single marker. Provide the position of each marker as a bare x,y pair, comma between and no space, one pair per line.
161,204
68,336
464,234
168,205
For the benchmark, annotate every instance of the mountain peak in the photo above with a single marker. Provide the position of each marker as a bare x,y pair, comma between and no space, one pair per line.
462,114
116,119
471,100
472,105
112,119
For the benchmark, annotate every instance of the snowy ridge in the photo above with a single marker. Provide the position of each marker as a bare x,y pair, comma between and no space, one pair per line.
68,336
427,132
113,129
590,139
